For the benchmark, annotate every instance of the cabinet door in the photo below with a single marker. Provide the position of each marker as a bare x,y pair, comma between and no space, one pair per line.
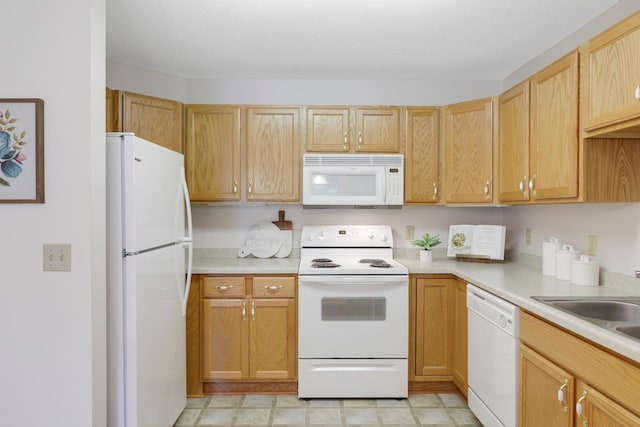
273,154
513,144
435,312
273,339
469,152
595,409
542,384
212,153
554,130
154,119
422,161
613,75
109,106
460,338
327,129
225,339
377,130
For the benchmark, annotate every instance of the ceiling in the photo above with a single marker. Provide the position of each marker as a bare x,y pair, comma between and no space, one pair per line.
340,39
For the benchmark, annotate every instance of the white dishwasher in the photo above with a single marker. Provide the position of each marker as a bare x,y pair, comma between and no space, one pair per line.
493,328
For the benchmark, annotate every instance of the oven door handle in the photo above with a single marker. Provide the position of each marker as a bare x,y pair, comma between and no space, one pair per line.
375,279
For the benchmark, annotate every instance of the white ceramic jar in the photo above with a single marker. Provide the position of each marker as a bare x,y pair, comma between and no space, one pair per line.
549,256
585,271
564,258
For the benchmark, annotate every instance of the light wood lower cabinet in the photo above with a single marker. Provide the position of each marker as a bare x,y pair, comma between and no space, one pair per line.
248,330
567,381
437,335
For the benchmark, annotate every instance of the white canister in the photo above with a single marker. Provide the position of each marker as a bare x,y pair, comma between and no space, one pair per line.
564,257
549,256
585,271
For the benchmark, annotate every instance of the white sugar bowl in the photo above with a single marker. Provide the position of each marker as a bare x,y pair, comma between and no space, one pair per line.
585,271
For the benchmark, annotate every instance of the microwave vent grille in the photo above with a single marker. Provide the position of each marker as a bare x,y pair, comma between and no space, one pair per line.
353,160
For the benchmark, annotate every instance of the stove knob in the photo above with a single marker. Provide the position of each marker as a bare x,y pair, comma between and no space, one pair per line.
322,235
371,236
383,237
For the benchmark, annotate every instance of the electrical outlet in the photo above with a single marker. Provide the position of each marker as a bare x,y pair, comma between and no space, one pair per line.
56,257
408,232
592,245
527,236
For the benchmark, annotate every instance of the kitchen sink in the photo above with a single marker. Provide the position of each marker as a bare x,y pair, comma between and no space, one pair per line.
617,314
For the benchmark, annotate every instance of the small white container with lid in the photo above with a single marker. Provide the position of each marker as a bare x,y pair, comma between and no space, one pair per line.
564,257
585,271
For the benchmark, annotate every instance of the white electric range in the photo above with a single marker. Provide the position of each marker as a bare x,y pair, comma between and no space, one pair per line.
353,314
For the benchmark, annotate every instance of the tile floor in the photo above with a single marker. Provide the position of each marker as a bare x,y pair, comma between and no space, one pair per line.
444,409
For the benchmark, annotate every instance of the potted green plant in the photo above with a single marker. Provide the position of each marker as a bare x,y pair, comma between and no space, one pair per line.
426,243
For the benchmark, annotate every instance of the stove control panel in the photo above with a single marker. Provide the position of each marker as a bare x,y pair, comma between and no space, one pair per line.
365,236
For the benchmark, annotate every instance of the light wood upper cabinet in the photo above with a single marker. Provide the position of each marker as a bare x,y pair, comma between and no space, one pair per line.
377,130
468,173
612,79
154,119
422,156
513,144
273,154
212,153
353,129
328,129
554,130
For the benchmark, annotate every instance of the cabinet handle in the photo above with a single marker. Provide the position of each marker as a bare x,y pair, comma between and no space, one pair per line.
253,310
638,93
532,184
579,409
561,390
224,287
346,141
235,187
435,191
244,310
273,287
486,189
359,138
250,186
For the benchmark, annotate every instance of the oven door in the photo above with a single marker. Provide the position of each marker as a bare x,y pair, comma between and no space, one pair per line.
353,316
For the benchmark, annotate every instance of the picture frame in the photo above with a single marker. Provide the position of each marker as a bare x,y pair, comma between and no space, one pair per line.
21,150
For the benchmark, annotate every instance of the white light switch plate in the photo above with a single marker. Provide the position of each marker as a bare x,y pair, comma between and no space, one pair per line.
56,257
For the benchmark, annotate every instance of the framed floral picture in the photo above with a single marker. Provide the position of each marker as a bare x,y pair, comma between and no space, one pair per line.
21,150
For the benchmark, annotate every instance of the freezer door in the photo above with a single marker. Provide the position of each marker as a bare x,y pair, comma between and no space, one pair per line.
154,195
155,360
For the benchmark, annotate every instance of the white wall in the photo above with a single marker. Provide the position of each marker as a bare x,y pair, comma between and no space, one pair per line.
147,82
52,324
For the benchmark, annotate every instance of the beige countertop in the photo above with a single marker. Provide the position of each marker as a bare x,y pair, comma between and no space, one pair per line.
512,281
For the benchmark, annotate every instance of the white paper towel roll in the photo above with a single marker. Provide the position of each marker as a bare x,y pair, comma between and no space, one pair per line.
549,256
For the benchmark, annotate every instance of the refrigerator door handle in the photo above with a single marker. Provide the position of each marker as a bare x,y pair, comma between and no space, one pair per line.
187,205
187,285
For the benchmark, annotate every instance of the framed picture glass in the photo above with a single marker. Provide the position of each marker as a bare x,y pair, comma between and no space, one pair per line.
21,151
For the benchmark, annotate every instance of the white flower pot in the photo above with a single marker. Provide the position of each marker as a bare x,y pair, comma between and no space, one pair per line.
426,256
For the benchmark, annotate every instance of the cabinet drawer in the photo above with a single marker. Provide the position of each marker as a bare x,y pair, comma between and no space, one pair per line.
223,287
276,287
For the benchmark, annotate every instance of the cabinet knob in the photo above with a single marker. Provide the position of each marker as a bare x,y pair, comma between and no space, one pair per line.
637,93
253,310
561,390
486,189
435,191
224,287
532,184
244,310
235,187
345,141
273,287
359,138
250,189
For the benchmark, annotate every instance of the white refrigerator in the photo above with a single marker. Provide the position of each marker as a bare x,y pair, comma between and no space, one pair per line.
149,256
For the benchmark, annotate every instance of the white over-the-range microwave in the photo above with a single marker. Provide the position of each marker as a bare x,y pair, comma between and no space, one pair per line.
353,180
